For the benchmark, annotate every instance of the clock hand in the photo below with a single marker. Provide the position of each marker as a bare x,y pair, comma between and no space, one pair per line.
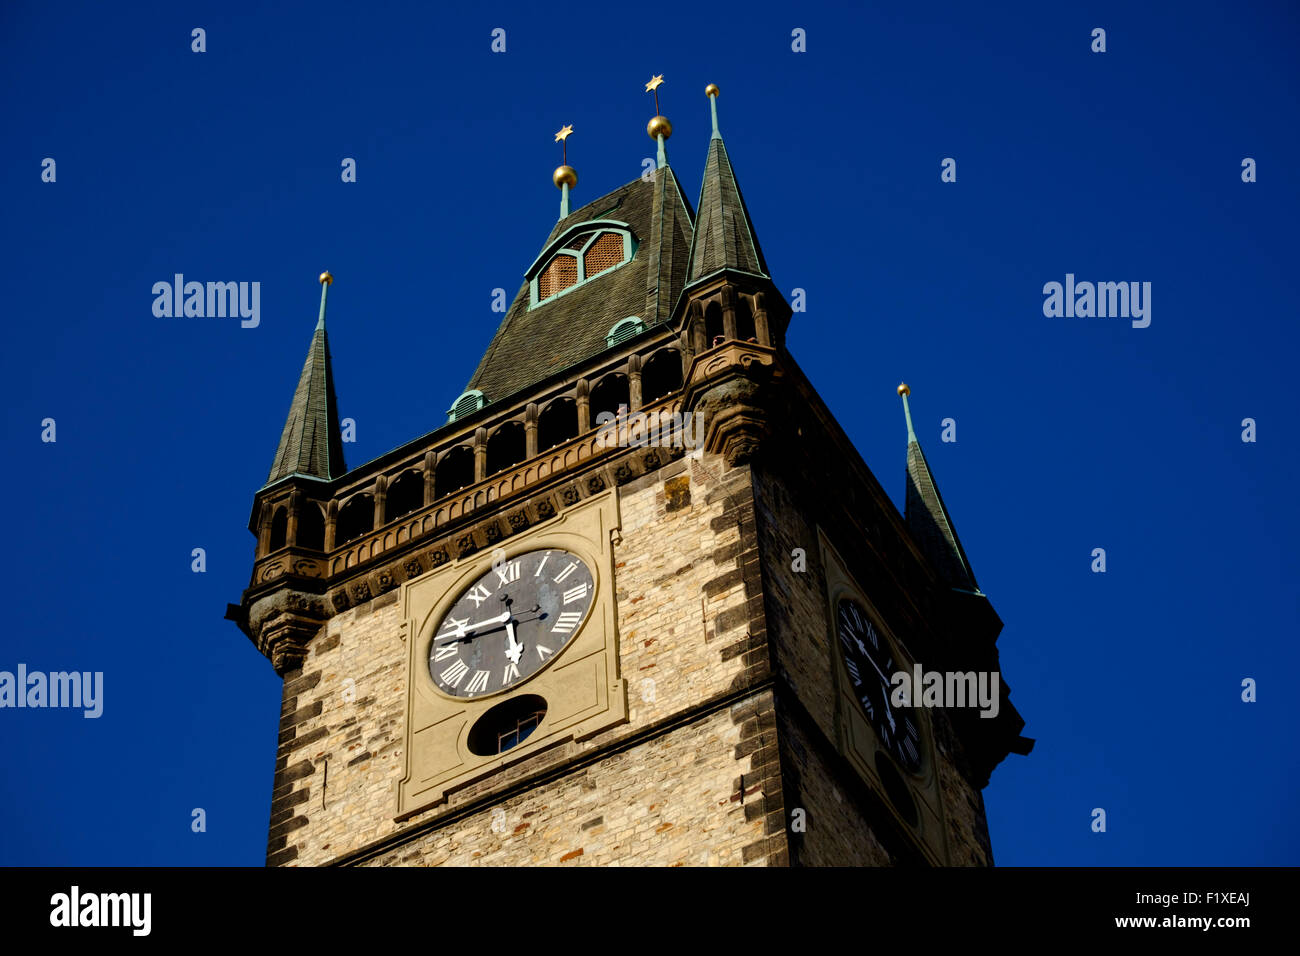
461,629
515,650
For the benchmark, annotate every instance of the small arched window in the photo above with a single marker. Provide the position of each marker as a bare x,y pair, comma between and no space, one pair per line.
507,446
311,527
405,495
557,423
455,470
356,518
279,528
661,375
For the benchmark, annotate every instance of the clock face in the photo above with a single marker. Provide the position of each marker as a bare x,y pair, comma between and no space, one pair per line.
870,663
510,623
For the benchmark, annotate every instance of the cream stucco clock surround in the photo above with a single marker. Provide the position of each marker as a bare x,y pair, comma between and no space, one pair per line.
912,795
581,686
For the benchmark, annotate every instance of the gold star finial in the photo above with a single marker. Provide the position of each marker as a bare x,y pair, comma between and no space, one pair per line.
653,87
562,137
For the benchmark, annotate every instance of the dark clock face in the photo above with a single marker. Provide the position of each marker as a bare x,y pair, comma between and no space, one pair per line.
871,665
510,623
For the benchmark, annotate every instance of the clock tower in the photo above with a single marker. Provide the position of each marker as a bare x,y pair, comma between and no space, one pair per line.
638,600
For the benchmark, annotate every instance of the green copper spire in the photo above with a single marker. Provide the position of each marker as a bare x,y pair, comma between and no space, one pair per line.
326,280
724,234
311,443
927,517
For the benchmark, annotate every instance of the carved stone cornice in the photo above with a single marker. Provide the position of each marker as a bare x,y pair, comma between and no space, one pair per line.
282,624
733,387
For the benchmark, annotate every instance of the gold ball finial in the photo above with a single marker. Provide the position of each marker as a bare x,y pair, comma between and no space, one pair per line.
564,174
711,90
326,278
904,390
659,126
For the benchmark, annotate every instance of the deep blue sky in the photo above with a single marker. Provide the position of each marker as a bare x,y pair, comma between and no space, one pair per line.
1072,433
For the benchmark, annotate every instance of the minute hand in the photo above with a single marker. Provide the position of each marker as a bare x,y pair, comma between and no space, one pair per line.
461,632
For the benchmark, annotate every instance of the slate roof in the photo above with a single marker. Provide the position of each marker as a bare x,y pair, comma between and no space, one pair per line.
532,344
311,443
724,233
932,529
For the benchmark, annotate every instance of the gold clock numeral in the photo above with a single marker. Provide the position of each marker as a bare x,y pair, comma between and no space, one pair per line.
511,671
477,683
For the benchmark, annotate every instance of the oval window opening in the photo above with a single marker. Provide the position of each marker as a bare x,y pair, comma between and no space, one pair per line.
506,725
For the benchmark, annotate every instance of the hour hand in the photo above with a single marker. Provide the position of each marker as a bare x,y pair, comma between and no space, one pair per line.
515,650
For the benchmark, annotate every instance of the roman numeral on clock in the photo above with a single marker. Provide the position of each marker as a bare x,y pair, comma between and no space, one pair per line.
543,651
567,622
453,674
477,683
476,597
511,672
446,651
575,594
566,572
853,671
508,573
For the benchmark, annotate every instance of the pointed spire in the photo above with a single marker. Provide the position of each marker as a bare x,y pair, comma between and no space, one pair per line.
311,443
927,518
724,235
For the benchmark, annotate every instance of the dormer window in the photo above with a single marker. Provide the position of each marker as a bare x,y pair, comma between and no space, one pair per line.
581,258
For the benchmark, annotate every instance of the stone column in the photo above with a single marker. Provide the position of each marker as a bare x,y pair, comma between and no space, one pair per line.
634,383
430,474
530,431
381,495
584,406
480,454
729,312
291,526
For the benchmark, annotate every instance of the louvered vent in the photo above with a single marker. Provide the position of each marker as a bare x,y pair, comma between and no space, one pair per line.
467,404
624,330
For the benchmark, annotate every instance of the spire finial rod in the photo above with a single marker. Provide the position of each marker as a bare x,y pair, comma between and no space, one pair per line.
712,91
564,176
326,280
659,129
904,391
